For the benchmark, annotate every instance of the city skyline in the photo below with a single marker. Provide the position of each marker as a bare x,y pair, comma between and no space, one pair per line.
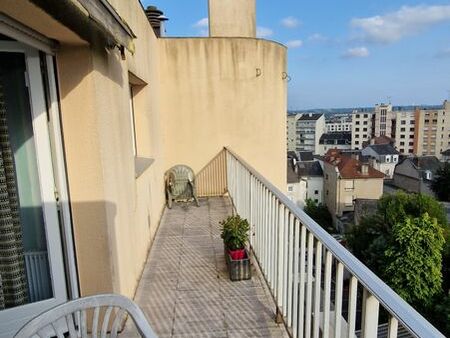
359,54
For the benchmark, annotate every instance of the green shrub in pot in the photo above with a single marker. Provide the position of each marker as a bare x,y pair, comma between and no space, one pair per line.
235,235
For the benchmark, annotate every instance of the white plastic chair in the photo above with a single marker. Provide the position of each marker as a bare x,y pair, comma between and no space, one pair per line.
63,319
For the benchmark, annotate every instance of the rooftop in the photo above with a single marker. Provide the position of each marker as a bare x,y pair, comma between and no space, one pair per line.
306,156
310,116
185,290
383,149
342,137
349,167
430,163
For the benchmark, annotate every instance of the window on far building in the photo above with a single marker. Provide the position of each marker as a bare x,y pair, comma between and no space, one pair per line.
403,122
290,188
316,192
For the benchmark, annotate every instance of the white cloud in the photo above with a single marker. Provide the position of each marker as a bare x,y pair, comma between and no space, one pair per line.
202,23
407,21
290,22
294,44
317,37
357,52
263,32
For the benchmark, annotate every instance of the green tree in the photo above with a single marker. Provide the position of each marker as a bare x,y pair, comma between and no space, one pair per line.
320,214
373,236
414,258
441,183
403,243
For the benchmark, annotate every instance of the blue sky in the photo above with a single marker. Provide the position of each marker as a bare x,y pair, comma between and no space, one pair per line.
347,53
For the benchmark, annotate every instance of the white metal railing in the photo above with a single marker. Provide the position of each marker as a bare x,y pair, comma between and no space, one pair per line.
300,260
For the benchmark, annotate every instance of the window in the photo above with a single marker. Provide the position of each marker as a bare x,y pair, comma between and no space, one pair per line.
388,159
133,121
356,129
365,123
356,142
411,129
290,188
357,116
366,116
402,129
402,143
327,192
403,122
316,200
357,123
412,122
364,129
357,136
402,136
402,150
348,185
411,143
326,177
316,192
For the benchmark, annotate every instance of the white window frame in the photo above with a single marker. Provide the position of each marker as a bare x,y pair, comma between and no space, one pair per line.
51,172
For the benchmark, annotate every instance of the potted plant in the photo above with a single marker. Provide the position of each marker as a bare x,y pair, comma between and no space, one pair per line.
235,232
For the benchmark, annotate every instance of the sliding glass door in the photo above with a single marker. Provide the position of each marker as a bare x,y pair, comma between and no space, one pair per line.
32,277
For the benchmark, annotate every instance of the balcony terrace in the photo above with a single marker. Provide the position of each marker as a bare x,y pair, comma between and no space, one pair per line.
302,276
185,289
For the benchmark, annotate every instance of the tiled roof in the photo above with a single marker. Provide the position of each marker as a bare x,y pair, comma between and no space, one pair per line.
311,168
383,149
430,163
349,167
306,156
310,116
342,137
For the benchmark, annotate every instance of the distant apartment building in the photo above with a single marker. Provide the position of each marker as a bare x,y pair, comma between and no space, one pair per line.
338,123
334,140
347,179
309,129
433,131
405,131
384,120
290,131
362,128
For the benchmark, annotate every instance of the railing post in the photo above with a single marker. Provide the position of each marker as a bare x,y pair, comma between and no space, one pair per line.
370,315
280,256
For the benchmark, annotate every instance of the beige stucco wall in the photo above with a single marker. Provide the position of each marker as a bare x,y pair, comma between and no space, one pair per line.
114,214
224,92
232,18
365,188
200,95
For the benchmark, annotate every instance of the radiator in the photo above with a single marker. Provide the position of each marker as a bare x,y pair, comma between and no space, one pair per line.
38,275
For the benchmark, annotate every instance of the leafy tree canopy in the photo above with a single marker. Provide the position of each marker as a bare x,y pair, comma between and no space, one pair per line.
414,258
320,214
441,183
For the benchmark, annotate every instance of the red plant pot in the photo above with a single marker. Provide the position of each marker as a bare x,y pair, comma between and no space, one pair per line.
237,254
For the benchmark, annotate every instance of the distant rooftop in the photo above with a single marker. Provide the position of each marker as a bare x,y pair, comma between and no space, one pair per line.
350,167
383,149
341,137
305,156
310,116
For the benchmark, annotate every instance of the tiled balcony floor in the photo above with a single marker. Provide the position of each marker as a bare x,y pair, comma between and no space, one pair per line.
185,290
